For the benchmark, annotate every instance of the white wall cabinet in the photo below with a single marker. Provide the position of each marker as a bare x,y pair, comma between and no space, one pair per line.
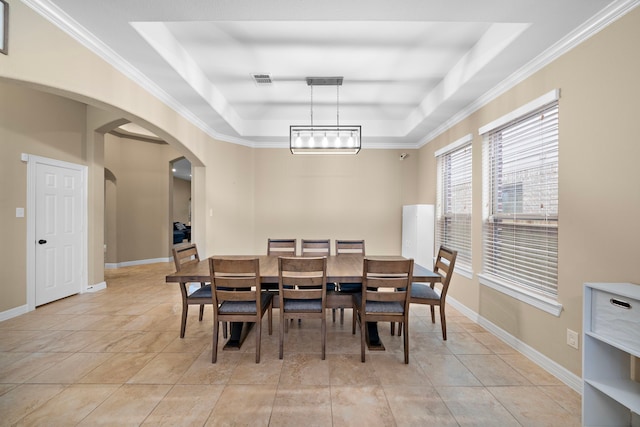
611,336
418,233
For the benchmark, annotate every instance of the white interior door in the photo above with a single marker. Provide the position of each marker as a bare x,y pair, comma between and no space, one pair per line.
59,231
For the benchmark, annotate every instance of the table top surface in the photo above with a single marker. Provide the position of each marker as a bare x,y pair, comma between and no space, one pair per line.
342,269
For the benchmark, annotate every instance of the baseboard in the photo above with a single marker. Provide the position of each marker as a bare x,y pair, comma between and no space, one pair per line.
97,287
14,312
558,371
108,266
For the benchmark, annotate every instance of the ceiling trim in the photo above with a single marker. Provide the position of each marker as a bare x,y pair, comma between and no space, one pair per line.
63,21
598,22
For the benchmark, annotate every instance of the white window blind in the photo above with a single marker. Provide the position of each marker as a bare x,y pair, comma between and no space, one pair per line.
520,230
453,201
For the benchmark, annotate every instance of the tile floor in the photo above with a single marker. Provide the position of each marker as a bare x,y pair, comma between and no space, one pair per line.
114,357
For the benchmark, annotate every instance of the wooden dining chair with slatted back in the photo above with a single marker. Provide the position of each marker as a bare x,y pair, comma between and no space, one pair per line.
349,247
237,297
318,248
302,293
386,287
183,256
280,247
430,294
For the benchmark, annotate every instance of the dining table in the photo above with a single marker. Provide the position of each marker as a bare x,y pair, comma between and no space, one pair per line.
344,268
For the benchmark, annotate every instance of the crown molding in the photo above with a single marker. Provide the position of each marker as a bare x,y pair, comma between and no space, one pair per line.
58,17
595,24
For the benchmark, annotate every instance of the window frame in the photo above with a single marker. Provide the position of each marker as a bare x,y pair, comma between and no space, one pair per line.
518,222
464,262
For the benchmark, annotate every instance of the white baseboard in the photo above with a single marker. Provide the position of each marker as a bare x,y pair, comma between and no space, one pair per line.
14,312
108,266
97,287
558,371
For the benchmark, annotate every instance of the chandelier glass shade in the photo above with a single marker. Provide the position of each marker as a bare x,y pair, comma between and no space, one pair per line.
325,139
320,139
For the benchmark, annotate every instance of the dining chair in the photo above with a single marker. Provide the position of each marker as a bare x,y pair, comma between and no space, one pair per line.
183,256
315,248
302,292
318,248
386,286
282,247
237,297
348,247
429,294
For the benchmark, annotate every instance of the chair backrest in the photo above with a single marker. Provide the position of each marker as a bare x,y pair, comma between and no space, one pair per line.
315,248
184,255
302,278
387,280
344,247
445,262
282,247
235,280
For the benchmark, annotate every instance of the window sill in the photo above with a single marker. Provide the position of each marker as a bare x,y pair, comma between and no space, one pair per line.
464,271
538,301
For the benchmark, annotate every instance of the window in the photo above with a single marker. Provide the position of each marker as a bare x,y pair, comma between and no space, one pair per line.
520,221
453,208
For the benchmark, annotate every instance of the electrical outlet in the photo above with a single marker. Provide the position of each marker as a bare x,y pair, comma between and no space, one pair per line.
572,339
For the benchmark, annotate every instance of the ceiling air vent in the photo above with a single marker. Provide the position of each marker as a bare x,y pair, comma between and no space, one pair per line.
262,79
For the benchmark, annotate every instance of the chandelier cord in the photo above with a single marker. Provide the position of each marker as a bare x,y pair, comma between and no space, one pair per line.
311,86
338,105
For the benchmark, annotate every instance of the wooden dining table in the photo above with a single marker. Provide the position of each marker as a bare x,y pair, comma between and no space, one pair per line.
344,268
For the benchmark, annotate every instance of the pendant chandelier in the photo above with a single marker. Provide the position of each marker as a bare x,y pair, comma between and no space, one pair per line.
325,139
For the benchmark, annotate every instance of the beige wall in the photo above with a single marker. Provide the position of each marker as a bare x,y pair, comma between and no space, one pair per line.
39,124
143,177
334,197
245,195
181,200
599,234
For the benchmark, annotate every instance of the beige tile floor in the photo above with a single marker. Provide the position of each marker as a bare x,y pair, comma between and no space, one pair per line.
114,357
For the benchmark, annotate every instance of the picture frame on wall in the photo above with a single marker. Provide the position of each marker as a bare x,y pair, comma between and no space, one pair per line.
4,27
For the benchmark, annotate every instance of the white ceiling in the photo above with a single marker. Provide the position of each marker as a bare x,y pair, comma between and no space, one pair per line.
411,67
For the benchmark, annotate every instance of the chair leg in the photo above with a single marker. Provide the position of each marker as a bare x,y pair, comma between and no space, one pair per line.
333,314
258,327
363,334
433,313
406,341
214,348
323,331
201,312
282,326
183,324
224,330
353,321
342,315
393,328
270,319
443,321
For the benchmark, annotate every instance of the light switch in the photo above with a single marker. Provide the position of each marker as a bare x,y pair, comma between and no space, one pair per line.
19,212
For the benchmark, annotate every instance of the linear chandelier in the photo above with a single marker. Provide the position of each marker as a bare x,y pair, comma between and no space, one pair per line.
325,139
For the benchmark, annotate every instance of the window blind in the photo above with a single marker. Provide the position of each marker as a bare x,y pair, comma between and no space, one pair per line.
453,202
520,230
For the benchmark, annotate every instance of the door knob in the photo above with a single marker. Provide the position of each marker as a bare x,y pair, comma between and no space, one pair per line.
42,241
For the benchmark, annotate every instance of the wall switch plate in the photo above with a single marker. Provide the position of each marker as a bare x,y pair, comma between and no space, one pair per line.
19,212
572,339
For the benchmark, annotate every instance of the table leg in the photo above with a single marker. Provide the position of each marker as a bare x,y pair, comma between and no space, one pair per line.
235,345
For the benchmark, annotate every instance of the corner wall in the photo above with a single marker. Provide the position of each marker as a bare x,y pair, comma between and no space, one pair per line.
599,207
